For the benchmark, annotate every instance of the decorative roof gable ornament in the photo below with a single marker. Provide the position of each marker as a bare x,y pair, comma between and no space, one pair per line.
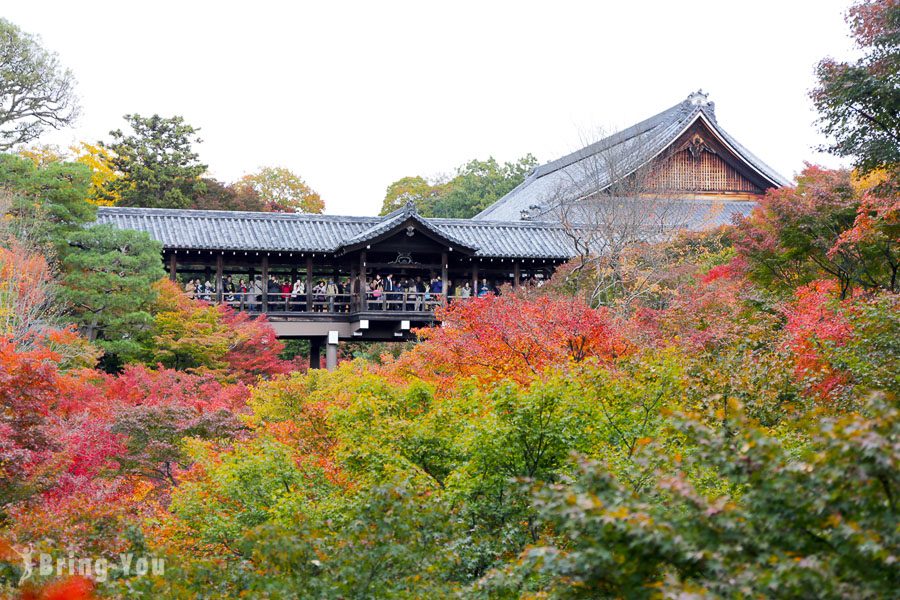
403,258
697,146
410,230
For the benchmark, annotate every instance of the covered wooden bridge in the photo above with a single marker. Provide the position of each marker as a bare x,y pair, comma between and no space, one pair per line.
342,278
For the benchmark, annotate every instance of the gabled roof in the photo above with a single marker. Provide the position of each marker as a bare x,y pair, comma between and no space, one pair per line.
305,233
397,221
630,148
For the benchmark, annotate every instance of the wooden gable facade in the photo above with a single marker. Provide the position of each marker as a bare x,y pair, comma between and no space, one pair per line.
699,164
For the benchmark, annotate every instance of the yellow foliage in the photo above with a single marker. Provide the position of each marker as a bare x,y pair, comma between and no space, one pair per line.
863,183
96,158
43,154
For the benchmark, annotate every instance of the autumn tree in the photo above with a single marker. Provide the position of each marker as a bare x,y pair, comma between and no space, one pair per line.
416,190
826,226
42,154
36,92
618,218
512,336
157,162
221,196
859,102
195,336
281,190
26,292
97,158
28,390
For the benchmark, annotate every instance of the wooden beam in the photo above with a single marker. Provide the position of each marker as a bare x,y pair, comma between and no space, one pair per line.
173,266
474,278
517,275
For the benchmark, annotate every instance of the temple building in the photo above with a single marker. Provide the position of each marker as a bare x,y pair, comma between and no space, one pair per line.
329,278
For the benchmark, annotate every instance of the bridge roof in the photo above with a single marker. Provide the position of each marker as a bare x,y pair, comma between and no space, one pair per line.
292,232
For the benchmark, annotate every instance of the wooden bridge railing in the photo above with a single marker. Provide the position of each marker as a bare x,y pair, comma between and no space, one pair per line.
289,303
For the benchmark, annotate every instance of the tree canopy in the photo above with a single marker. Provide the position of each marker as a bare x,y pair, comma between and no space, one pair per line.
158,164
475,186
280,190
859,102
36,91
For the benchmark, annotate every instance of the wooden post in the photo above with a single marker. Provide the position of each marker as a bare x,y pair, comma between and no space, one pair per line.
220,283
309,284
445,283
517,275
265,283
474,278
362,281
173,266
315,353
352,288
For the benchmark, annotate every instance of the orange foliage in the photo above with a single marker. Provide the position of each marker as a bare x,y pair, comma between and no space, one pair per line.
512,336
71,588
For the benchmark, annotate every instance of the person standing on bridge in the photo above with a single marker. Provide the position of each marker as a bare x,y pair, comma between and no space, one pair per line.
298,292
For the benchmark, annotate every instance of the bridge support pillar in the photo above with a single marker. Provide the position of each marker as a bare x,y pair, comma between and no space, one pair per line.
331,349
315,353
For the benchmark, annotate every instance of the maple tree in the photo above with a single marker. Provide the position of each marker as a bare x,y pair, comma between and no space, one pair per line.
858,102
825,226
219,196
200,337
511,336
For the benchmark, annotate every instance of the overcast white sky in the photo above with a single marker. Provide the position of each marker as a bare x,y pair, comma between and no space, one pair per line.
353,96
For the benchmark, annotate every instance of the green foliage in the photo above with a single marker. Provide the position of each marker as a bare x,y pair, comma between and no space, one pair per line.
478,184
48,201
36,91
821,523
158,165
107,283
475,186
258,482
871,355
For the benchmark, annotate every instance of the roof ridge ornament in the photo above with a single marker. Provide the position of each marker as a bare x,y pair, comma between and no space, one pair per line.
700,99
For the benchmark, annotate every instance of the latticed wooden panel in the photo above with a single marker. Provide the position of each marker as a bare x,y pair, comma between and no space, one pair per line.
700,172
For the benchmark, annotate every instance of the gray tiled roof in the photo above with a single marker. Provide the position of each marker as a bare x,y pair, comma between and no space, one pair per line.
403,215
226,230
628,149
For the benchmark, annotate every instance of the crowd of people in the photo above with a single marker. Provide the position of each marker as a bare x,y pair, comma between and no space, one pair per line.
334,294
